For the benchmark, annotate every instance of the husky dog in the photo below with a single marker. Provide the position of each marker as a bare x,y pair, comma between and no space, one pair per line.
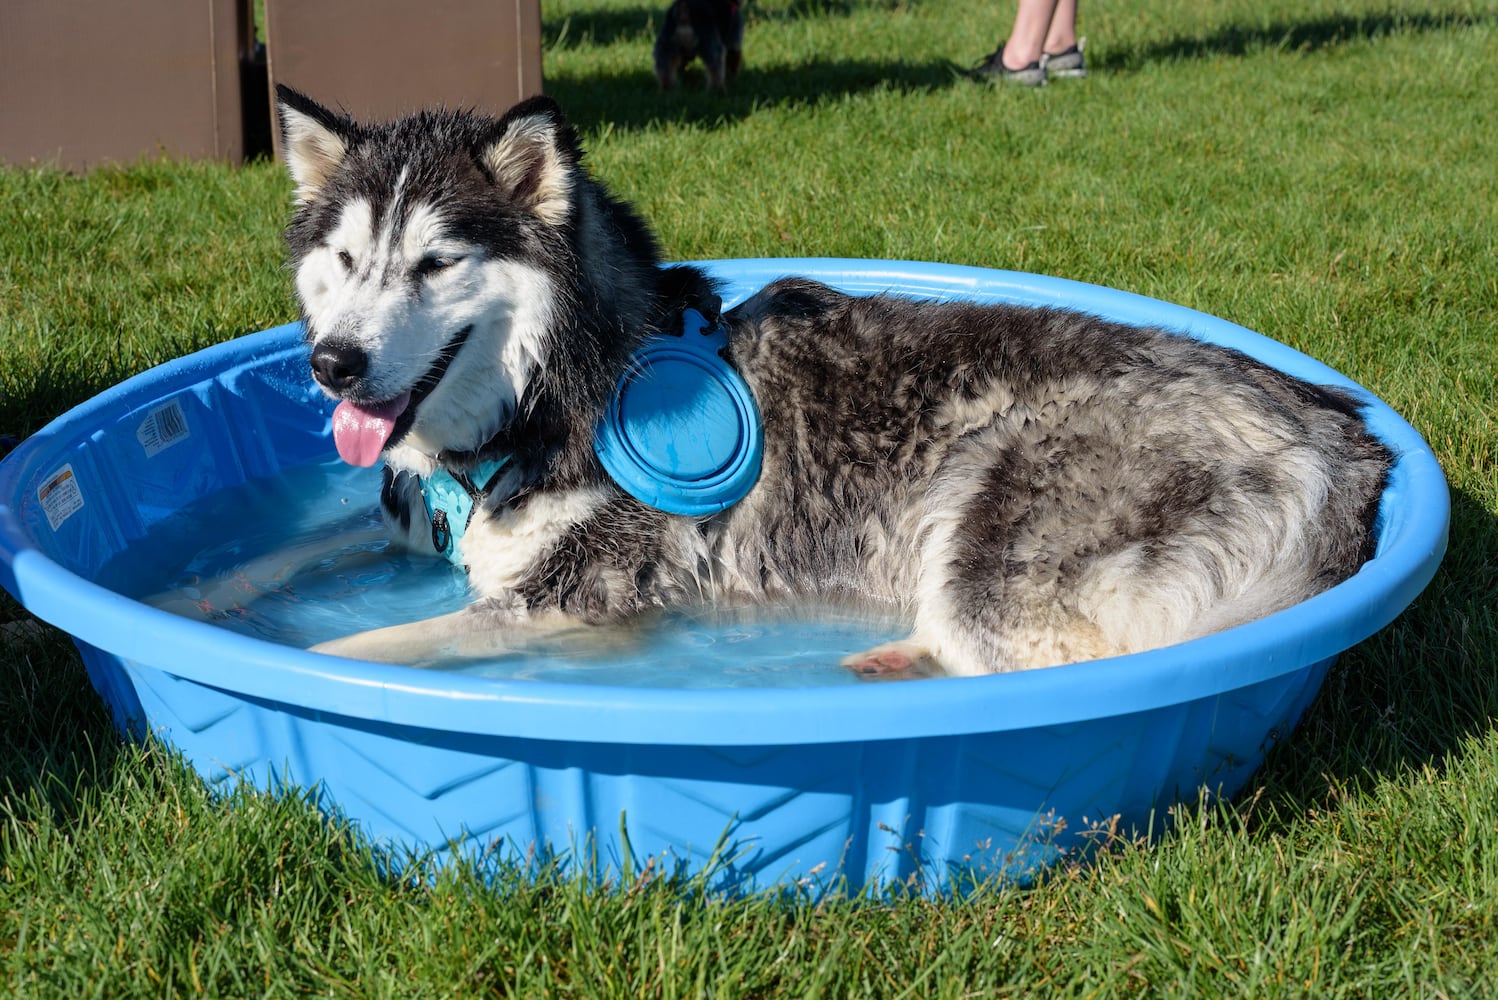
1026,486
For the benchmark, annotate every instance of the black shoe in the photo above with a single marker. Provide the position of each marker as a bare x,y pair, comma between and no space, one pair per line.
993,68
1065,64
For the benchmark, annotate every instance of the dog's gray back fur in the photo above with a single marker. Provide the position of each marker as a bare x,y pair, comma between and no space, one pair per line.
1047,485
1027,486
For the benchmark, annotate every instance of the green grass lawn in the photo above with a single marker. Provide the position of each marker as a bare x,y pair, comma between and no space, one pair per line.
1321,172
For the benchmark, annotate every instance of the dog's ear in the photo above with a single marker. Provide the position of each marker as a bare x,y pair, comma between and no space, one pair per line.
314,140
533,158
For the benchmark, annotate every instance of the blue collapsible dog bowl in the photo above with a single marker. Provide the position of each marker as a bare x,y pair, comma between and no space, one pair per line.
681,432
933,780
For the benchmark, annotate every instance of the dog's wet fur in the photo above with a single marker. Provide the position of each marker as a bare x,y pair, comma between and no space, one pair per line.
1025,486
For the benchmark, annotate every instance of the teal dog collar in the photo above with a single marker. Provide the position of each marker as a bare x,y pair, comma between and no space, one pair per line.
450,500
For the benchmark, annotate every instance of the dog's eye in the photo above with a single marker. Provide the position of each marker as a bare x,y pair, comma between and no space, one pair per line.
431,265
346,259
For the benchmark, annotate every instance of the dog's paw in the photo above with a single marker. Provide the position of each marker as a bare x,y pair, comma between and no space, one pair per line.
904,657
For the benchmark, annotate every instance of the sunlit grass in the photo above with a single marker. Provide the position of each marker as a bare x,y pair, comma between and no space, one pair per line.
1320,172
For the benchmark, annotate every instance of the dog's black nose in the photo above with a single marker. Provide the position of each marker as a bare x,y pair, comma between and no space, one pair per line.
338,366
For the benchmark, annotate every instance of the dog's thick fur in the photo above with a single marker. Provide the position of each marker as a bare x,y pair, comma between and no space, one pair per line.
1028,486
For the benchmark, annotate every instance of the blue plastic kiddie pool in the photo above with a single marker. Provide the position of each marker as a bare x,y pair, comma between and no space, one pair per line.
932,781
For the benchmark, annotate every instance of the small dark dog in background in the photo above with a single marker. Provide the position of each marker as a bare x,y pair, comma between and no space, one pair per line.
712,30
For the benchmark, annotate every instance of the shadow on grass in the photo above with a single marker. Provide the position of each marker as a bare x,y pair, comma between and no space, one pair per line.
630,100
1409,695
606,27
53,391
56,737
600,27
1312,35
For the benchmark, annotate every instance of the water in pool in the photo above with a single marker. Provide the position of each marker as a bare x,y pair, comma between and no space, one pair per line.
302,558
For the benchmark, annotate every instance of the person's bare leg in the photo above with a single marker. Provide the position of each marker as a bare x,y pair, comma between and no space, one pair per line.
1032,23
1061,33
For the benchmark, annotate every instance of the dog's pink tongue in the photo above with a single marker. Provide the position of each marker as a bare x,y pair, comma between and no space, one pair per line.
360,431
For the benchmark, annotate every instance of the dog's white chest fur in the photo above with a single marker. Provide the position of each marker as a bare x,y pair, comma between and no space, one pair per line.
501,547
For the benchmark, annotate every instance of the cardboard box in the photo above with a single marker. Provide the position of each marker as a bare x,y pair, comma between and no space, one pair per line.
83,82
379,59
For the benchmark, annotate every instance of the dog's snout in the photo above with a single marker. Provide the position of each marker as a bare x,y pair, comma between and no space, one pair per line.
338,366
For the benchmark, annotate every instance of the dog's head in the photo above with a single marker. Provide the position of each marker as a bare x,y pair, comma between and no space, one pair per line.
426,254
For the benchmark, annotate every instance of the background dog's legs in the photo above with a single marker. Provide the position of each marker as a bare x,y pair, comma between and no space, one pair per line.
713,60
665,70
733,41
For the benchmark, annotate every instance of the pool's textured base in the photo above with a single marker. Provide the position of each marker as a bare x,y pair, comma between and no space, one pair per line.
930,810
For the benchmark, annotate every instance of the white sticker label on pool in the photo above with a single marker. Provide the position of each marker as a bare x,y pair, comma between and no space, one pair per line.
60,496
162,428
